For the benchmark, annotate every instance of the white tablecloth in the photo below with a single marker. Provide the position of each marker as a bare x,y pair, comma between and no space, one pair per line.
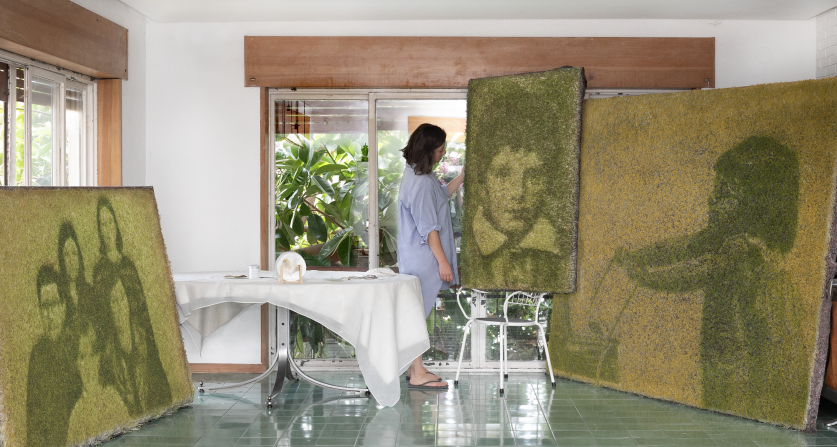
382,318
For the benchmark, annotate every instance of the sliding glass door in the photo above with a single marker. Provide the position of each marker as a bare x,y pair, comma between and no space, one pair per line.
326,147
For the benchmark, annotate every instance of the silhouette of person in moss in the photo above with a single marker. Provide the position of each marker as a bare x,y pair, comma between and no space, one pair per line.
54,382
130,359
748,326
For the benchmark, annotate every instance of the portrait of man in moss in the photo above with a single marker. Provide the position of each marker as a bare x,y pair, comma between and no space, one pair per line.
522,181
95,366
704,235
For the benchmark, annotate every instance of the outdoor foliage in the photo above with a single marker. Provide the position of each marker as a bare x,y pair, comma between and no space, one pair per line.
41,145
321,189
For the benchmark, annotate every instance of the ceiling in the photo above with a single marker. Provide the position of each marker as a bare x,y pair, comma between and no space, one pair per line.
315,10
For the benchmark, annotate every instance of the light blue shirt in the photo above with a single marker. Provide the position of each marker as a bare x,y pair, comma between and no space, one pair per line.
423,207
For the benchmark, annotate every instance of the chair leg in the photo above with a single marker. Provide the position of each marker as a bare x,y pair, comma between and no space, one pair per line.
502,354
546,351
462,350
506,352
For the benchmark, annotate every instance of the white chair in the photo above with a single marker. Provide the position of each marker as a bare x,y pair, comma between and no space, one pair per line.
512,299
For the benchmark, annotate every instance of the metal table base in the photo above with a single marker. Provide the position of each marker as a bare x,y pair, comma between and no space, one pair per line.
284,364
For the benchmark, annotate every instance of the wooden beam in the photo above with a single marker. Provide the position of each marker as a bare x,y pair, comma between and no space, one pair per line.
446,62
266,176
62,33
109,132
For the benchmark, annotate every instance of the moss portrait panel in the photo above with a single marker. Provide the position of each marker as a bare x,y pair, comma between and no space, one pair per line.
520,224
89,339
705,226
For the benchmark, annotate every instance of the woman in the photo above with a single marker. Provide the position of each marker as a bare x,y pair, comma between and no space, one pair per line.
425,233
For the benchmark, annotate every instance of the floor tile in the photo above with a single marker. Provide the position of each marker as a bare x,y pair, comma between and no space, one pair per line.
531,413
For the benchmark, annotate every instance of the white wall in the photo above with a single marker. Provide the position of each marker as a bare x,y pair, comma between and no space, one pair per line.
827,44
133,90
203,125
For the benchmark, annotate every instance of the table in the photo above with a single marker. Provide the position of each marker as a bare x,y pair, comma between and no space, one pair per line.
382,318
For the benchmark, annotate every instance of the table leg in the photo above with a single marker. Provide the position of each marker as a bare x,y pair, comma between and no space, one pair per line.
283,346
284,364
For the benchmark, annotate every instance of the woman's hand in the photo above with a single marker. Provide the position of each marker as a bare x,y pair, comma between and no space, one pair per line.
445,272
456,182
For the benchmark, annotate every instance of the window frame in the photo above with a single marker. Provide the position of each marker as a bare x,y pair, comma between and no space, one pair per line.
65,79
369,95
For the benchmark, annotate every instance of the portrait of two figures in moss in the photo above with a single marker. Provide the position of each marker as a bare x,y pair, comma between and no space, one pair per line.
98,364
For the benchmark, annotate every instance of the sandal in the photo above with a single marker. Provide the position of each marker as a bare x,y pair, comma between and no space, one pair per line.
439,379
426,387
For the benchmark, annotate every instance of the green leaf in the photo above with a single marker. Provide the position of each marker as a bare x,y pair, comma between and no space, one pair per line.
286,231
318,154
306,326
334,213
281,242
285,216
360,230
304,211
297,226
309,236
345,252
311,260
319,339
361,188
345,189
331,245
331,167
317,228
323,185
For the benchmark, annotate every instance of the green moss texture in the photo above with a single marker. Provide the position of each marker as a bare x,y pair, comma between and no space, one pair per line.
520,225
90,344
705,230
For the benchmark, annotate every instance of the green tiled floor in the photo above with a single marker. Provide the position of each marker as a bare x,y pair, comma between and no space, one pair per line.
531,413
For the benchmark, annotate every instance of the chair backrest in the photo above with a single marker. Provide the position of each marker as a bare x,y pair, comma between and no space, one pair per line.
477,296
523,299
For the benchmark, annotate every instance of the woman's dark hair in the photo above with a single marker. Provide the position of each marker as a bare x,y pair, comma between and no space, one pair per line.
419,150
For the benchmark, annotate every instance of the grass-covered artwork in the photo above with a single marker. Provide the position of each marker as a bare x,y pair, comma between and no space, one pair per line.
706,226
520,224
89,340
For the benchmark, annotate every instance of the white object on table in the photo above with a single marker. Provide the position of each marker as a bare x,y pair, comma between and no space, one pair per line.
254,272
383,318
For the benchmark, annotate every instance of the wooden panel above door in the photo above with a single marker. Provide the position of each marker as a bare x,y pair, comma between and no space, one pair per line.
446,62
62,33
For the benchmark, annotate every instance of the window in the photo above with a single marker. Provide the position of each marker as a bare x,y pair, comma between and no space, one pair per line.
326,146
47,132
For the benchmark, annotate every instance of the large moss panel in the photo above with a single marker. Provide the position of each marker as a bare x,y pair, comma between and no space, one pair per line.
520,225
706,231
90,344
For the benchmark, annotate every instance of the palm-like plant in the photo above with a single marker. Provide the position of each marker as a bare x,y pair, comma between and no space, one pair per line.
321,185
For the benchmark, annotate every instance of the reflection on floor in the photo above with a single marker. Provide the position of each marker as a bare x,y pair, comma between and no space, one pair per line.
531,413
